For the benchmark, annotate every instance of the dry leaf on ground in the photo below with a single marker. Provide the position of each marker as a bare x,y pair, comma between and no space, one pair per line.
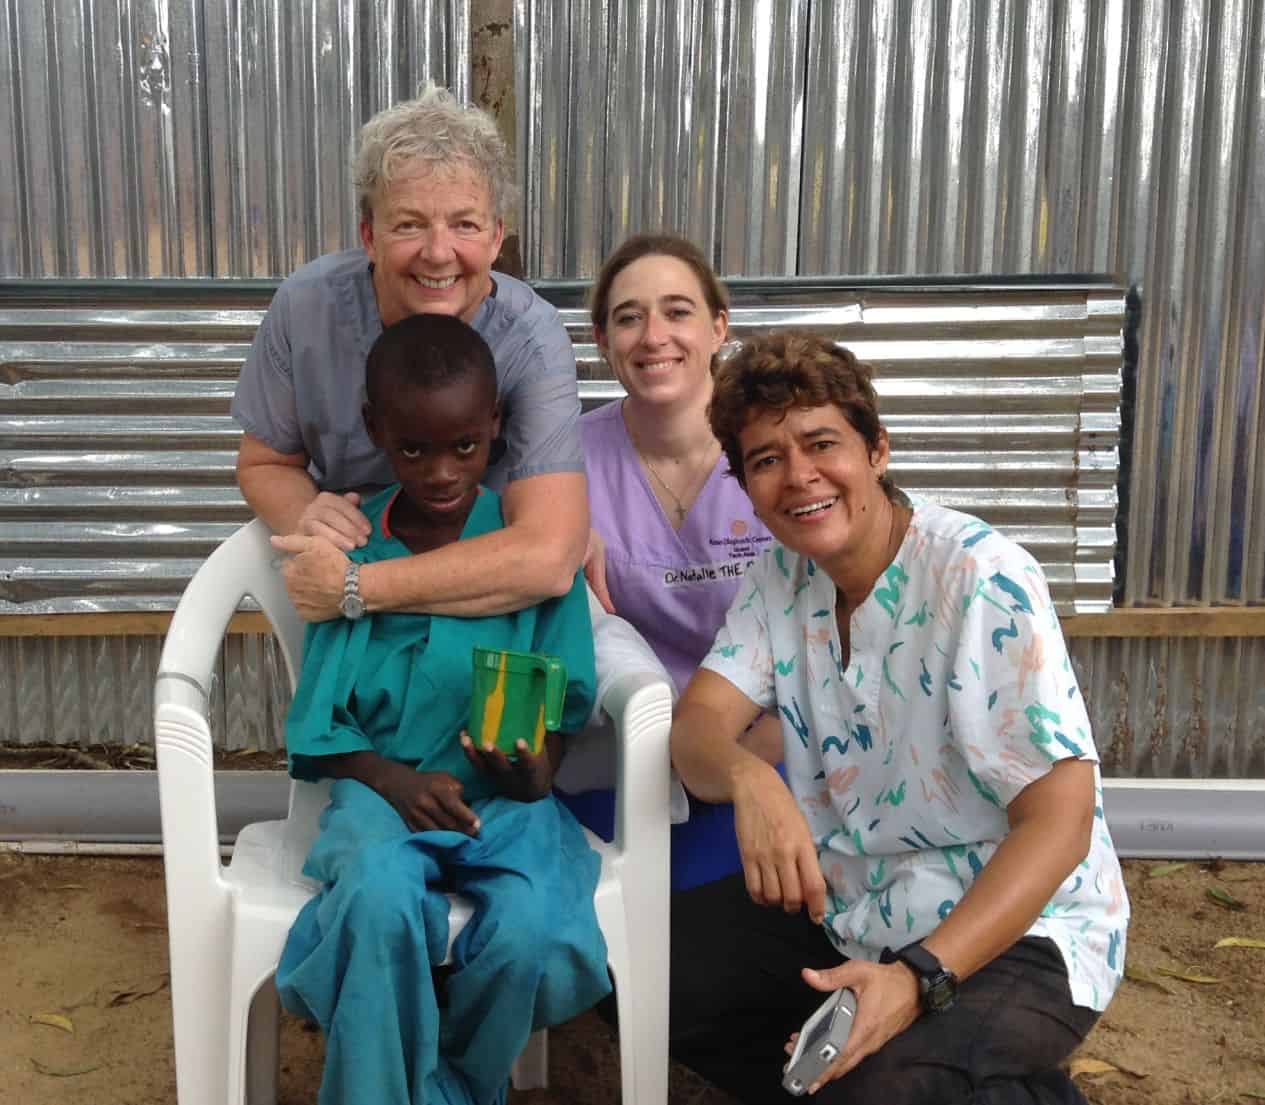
54,1020
1239,942
1137,974
1188,976
63,1072
125,995
1100,1066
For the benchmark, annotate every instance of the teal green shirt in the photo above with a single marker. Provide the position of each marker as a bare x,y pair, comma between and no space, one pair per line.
400,684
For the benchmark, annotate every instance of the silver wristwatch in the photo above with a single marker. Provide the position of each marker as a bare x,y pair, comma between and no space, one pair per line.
352,606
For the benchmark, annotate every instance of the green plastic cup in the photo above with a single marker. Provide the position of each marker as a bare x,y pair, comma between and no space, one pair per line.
517,696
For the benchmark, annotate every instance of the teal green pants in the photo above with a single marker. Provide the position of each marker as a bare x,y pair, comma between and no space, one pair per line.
358,959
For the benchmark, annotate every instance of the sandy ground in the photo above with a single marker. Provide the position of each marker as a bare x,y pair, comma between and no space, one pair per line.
85,1016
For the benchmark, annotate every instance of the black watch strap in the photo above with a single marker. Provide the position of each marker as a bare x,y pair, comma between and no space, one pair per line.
922,961
937,985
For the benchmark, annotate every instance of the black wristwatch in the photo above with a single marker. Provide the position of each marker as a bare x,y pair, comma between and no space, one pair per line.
937,985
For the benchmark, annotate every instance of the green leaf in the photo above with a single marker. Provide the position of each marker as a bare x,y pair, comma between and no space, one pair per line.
1162,869
1224,898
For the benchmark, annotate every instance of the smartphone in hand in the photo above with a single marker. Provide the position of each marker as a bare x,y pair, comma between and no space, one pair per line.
820,1041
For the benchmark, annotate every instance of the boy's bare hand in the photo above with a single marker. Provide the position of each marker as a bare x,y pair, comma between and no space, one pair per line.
528,778
337,518
430,800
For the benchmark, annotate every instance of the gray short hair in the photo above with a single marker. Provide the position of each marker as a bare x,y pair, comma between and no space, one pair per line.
437,132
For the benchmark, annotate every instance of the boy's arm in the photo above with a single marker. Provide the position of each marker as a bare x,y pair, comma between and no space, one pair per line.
423,799
280,490
534,557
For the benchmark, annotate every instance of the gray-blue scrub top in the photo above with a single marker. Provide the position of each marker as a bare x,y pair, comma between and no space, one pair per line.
303,384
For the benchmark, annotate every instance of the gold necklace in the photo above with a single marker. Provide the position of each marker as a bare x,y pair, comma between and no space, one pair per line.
680,509
676,499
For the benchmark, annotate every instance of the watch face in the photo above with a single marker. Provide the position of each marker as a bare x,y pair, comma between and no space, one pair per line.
352,606
940,993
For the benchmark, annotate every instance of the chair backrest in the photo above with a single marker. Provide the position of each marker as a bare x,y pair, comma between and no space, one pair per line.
243,566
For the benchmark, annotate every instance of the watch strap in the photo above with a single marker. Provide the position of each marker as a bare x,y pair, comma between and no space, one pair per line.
352,605
937,985
922,961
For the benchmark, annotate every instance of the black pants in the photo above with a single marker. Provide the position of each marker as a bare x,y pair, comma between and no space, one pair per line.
737,995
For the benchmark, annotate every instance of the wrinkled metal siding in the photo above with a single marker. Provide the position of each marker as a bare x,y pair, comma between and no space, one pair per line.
199,137
957,136
116,460
117,448
1185,708
978,136
640,114
100,690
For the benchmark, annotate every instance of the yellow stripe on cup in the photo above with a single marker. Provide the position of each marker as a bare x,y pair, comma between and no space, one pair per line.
538,737
494,710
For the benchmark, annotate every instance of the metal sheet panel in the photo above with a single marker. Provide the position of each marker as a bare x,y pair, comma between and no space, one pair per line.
954,136
117,449
1105,137
100,690
191,138
653,114
1176,708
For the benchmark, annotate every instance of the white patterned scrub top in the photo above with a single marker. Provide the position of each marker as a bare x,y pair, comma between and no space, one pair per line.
958,693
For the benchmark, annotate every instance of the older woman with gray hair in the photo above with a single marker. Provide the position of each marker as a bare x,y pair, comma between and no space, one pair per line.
434,183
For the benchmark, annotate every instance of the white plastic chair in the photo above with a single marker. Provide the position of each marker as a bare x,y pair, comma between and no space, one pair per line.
228,924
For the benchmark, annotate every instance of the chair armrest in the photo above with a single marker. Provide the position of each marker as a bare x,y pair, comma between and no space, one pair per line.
635,692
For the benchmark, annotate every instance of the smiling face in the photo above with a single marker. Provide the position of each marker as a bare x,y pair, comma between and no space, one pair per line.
814,481
432,240
438,442
659,334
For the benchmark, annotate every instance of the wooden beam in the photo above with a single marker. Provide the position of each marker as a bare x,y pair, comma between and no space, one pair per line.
1154,622
131,624
1170,621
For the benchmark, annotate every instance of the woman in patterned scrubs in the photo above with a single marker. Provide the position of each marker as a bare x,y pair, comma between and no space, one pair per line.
939,845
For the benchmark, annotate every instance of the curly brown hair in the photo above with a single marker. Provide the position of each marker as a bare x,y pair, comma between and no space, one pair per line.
792,368
655,245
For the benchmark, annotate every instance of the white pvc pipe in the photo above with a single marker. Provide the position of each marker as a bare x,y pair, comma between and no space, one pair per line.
116,813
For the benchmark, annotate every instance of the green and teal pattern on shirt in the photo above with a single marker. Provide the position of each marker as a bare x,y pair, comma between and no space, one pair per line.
400,684
958,693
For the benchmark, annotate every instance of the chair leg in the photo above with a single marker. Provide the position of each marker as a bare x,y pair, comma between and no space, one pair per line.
531,1068
263,1046
643,1048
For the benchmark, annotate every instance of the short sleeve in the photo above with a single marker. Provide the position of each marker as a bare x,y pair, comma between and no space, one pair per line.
741,650
320,721
1019,709
542,403
563,629
264,404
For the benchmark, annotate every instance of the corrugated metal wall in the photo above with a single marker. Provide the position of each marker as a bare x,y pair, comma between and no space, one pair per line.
951,136
972,136
1184,708
100,690
117,447
199,138
209,137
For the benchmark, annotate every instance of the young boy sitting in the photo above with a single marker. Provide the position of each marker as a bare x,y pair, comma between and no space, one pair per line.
416,810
